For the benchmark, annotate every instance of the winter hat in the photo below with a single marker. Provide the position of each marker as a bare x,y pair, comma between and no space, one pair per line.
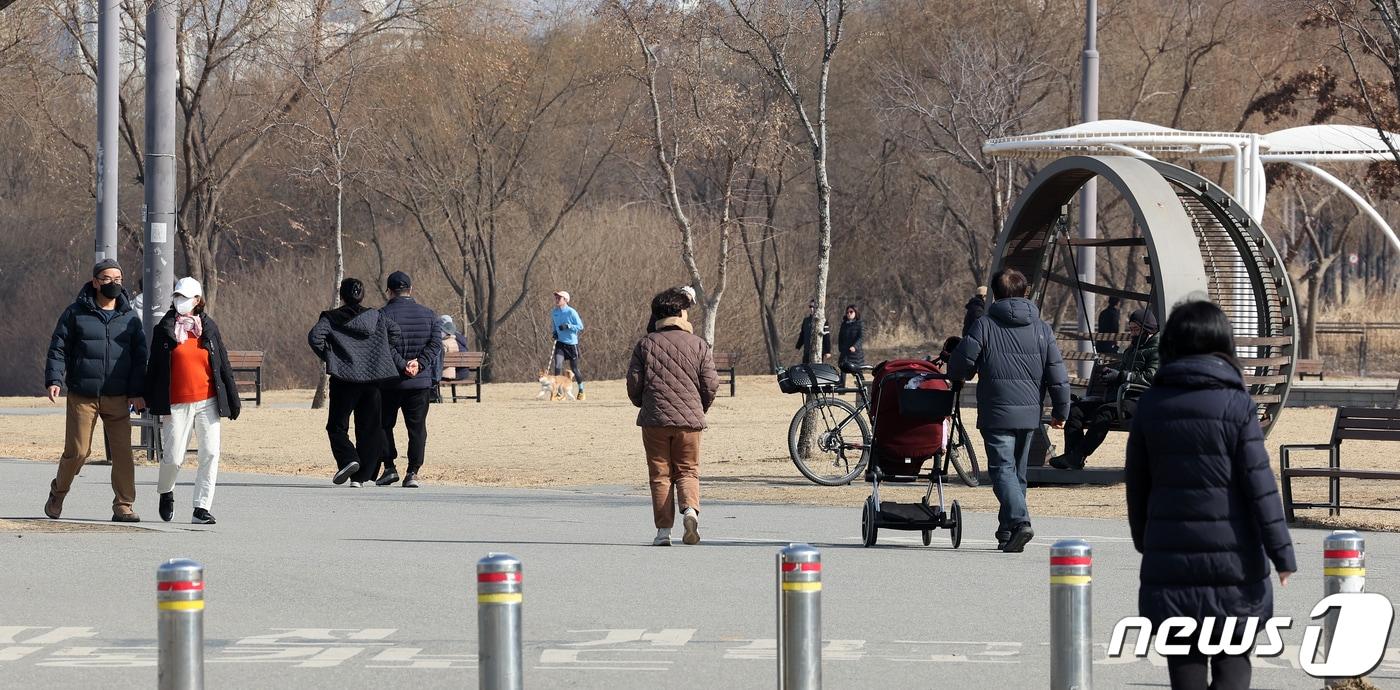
398,280
563,294
1144,318
352,291
447,325
189,287
103,265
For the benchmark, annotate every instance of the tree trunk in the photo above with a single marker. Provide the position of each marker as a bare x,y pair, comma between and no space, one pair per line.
318,400
1309,334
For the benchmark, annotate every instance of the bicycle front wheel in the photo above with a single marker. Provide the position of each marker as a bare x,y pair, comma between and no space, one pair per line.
837,446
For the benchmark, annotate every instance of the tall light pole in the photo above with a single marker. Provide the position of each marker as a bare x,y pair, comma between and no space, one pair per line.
108,55
159,213
1089,195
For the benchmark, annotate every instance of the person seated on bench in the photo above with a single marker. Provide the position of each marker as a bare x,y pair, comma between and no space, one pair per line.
1090,418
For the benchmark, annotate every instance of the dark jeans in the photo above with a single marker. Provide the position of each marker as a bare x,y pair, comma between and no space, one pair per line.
563,351
361,400
1008,452
414,404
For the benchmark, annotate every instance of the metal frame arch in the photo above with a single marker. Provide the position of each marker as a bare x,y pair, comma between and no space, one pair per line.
1177,267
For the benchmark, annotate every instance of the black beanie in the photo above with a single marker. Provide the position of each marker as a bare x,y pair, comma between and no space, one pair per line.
103,265
1145,318
352,291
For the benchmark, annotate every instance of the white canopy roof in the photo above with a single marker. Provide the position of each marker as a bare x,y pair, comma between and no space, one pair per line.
1318,143
1117,137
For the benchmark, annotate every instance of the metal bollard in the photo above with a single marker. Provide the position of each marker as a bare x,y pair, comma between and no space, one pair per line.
498,599
180,625
1071,623
1343,570
799,618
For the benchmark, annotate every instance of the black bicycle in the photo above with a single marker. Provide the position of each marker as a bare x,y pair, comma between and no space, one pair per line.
836,446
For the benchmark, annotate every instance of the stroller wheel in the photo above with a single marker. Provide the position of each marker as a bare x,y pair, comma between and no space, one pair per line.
868,531
928,537
955,515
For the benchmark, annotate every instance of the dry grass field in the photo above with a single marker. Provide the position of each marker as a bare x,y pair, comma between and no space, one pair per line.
514,440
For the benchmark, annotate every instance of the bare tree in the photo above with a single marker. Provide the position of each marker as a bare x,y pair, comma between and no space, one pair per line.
329,137
468,160
947,101
766,33
703,126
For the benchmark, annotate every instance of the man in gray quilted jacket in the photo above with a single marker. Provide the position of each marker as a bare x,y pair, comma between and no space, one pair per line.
1016,359
672,379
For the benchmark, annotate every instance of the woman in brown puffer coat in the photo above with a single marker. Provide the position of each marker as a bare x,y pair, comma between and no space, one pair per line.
672,379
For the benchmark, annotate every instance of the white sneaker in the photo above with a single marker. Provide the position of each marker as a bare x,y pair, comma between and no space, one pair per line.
692,527
663,538
356,485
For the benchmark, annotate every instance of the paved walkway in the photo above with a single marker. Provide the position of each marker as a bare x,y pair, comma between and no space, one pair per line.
316,586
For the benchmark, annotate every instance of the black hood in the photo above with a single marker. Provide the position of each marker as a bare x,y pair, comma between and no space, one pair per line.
1200,371
1013,312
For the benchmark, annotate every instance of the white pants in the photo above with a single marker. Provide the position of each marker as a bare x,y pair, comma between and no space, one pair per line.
202,418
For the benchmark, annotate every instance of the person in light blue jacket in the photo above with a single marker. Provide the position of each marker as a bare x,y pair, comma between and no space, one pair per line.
567,326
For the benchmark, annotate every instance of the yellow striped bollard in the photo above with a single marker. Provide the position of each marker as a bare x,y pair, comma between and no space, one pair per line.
498,600
1343,570
180,625
799,618
1071,623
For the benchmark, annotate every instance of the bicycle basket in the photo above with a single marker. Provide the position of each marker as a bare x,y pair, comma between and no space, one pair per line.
808,378
926,397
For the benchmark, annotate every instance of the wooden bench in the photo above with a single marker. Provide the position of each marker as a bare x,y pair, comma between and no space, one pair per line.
247,371
468,366
1359,423
725,363
1304,368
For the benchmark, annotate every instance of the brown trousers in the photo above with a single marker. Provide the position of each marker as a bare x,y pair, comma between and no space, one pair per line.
673,457
83,414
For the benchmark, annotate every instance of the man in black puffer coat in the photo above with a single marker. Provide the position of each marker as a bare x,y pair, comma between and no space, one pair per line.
1203,506
99,351
360,348
1017,361
420,340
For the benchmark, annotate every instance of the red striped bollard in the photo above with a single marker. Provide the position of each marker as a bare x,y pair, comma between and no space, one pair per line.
180,625
799,618
1071,625
498,600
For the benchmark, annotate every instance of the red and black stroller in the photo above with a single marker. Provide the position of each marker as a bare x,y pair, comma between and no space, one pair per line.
910,403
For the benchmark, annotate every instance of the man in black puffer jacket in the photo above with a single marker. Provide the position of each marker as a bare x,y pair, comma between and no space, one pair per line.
99,352
420,340
1017,360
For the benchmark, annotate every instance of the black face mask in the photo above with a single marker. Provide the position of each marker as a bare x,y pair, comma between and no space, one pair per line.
110,290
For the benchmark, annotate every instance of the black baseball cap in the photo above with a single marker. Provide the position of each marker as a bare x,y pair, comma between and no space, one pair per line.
398,280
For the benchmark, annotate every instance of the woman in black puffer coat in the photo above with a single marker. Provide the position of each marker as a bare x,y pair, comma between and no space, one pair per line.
851,341
1203,506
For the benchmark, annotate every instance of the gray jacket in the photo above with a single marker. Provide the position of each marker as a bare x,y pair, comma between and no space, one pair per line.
1016,359
357,344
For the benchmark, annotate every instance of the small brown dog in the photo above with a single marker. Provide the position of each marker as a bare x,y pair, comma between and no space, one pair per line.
556,386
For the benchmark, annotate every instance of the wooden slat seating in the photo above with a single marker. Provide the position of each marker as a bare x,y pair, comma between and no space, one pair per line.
468,366
725,364
247,371
1304,368
1355,423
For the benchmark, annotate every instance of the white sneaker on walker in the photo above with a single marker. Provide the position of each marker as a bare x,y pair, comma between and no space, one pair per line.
663,537
691,519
